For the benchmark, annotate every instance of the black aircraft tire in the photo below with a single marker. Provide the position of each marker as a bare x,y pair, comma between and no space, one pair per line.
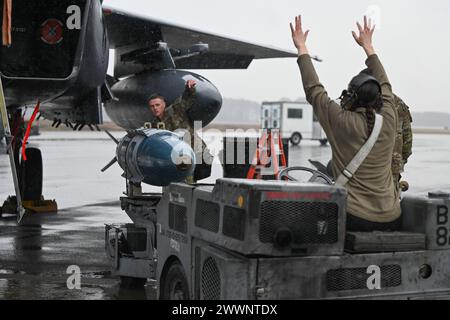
31,175
296,139
132,283
175,286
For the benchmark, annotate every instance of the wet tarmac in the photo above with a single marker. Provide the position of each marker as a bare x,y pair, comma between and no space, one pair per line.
34,257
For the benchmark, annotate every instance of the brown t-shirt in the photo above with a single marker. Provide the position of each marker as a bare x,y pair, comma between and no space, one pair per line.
371,192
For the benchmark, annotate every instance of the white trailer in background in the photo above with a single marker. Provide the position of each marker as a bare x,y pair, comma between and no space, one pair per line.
295,120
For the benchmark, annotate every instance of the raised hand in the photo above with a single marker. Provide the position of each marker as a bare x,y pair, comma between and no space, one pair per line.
365,35
299,36
190,84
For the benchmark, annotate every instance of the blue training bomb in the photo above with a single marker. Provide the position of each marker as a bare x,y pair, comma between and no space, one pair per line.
155,157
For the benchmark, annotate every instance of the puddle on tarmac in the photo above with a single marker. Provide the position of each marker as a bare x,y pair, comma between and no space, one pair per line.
13,289
94,286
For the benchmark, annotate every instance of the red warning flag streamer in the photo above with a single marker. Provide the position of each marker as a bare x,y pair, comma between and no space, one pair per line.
6,27
27,134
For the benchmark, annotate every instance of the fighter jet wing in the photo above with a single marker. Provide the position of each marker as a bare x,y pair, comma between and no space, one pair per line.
149,44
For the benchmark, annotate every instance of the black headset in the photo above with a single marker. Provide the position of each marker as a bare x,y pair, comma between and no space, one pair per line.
350,96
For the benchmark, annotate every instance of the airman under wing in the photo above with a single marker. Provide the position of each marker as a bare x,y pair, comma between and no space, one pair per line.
148,44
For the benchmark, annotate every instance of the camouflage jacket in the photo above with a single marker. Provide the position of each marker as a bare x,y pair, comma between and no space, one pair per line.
404,138
175,118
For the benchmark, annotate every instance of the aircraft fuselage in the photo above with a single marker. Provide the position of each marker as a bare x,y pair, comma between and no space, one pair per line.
59,55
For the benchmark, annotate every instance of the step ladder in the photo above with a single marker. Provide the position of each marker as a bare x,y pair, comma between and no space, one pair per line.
266,162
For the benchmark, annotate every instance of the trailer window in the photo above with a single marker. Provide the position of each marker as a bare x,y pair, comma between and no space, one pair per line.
295,113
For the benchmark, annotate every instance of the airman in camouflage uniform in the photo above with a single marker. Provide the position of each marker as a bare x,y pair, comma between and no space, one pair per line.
404,140
174,118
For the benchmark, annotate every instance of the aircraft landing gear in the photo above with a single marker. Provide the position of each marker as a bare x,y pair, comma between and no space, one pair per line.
30,178
29,175
29,171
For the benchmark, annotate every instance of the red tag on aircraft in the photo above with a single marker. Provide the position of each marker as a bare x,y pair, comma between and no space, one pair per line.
52,31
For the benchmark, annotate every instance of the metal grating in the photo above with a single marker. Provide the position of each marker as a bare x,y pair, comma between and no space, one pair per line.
234,223
309,222
356,279
178,218
137,239
207,215
210,280
197,269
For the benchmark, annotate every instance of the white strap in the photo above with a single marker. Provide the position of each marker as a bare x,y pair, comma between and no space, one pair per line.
357,161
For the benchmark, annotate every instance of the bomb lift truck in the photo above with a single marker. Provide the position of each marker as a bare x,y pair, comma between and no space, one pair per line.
245,240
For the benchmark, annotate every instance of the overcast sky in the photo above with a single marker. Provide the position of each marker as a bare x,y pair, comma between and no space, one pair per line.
412,42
